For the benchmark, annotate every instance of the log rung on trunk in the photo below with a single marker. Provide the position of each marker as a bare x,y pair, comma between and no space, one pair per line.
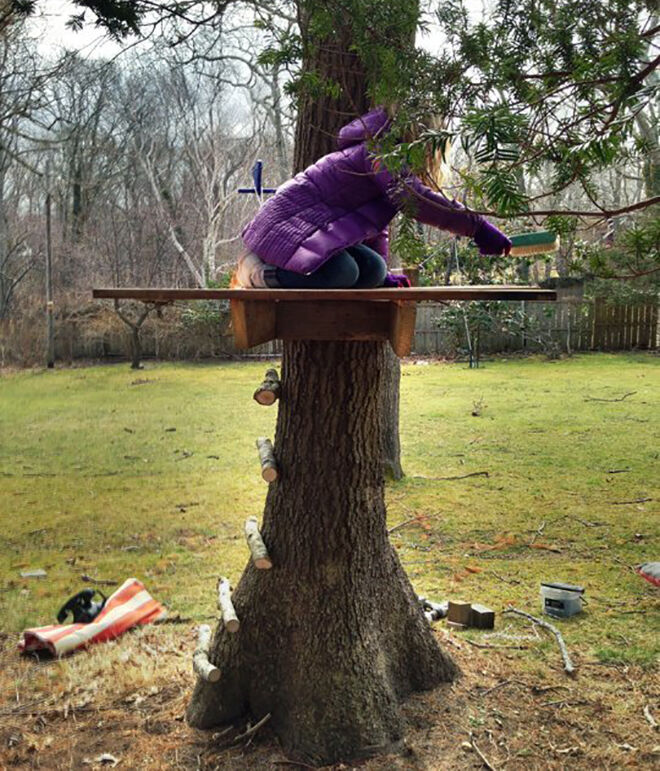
201,664
269,391
267,457
260,557
226,607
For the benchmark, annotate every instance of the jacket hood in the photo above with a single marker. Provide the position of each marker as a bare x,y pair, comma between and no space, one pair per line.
365,127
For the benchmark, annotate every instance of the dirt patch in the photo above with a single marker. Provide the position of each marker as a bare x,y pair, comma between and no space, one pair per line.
127,700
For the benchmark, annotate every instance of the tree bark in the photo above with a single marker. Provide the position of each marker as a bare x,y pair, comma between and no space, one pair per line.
136,348
391,455
332,639
320,116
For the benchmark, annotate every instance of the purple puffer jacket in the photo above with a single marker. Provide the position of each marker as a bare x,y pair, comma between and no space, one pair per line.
342,200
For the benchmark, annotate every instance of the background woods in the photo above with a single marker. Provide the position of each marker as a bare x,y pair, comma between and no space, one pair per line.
518,112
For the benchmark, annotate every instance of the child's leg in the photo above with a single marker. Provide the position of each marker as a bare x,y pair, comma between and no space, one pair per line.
339,272
373,267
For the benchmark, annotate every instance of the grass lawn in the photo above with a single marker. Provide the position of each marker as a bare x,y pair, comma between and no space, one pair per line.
113,473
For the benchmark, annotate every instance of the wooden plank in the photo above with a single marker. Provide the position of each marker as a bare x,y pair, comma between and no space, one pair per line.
653,336
339,320
585,319
402,326
617,327
417,294
632,325
591,326
602,323
642,340
602,313
608,308
595,309
647,327
253,322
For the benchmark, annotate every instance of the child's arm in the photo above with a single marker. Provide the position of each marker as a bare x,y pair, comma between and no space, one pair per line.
431,208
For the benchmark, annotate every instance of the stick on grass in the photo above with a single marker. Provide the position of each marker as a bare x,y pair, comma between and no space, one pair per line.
482,757
568,664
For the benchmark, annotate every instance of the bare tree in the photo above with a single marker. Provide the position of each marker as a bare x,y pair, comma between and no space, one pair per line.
194,155
22,79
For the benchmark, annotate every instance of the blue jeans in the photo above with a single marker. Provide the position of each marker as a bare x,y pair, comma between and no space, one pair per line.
357,267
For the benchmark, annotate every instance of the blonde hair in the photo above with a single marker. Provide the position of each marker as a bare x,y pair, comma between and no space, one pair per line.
437,168
437,160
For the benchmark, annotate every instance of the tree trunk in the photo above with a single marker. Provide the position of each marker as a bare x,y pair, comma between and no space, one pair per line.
319,119
136,348
332,639
390,416
321,115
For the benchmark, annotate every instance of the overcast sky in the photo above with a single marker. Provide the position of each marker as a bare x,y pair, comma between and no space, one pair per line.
50,25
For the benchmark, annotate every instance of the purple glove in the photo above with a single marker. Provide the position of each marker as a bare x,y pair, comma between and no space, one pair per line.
396,280
490,240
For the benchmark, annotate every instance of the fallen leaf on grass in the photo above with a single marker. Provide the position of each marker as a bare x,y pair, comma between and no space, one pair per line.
545,546
501,542
460,576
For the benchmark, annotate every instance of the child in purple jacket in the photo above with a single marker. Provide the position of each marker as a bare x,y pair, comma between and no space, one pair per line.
327,227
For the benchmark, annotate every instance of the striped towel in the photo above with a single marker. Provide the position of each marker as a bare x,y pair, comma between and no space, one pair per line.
131,604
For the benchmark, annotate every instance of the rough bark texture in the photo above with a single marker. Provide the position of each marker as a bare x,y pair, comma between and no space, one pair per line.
332,638
319,121
321,115
390,416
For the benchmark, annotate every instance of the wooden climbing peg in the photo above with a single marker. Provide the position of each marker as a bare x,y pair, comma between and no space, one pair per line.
267,458
260,558
269,391
201,664
226,607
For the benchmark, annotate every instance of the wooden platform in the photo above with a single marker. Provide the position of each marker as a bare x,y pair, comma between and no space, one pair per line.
260,315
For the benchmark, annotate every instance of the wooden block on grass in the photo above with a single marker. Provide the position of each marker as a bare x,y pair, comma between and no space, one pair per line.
459,612
482,617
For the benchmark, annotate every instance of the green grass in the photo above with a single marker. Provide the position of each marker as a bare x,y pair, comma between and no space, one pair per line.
92,481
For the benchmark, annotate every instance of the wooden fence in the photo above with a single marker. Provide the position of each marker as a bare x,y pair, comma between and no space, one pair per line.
569,325
622,327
